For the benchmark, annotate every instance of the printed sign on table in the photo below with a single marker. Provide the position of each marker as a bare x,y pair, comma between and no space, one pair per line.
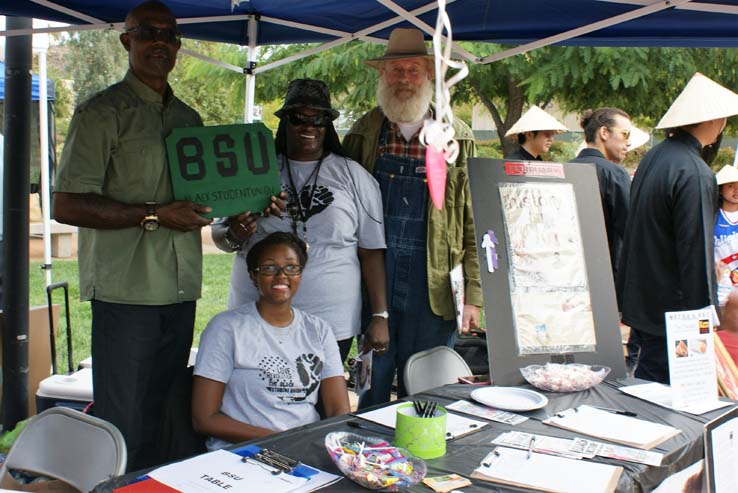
231,168
691,351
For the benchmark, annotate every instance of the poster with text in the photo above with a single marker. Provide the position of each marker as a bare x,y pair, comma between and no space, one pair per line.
691,351
552,309
231,168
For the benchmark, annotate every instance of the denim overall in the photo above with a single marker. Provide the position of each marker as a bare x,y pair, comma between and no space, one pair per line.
413,326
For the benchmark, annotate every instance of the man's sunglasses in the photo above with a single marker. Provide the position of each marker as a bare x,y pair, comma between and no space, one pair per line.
298,119
148,33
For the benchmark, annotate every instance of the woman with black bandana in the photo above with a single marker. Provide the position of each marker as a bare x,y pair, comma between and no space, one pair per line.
333,205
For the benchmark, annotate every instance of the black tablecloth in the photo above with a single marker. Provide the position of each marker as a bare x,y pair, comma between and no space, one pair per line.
464,454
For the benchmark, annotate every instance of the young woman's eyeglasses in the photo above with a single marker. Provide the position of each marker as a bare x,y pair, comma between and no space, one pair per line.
274,270
298,119
150,33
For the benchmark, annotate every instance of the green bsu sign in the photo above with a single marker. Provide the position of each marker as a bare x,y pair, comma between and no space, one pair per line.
231,168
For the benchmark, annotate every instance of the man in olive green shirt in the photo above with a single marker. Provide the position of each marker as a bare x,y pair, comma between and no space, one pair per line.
423,243
140,254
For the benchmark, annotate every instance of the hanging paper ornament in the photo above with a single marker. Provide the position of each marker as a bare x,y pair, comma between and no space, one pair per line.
438,133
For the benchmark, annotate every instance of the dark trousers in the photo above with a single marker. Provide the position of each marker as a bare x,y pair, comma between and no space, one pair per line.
137,352
653,360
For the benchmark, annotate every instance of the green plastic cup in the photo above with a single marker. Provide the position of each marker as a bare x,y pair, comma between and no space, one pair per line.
423,437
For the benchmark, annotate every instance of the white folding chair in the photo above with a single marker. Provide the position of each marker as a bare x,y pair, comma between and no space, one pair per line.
65,444
432,368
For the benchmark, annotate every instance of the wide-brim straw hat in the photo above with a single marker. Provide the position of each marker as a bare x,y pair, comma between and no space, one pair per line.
403,43
536,120
728,174
637,138
307,93
702,100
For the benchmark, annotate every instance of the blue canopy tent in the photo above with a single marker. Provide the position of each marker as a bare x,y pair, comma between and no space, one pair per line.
523,24
35,82
672,23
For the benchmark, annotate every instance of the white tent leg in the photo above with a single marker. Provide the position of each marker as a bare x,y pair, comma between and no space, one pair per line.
43,123
253,51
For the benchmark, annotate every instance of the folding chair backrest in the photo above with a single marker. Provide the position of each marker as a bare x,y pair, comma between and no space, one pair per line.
432,368
63,443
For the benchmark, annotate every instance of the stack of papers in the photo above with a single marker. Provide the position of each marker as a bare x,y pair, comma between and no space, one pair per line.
577,448
660,394
456,425
225,471
547,473
489,413
616,428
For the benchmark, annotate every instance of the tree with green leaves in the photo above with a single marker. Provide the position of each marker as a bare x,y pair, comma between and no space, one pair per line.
642,81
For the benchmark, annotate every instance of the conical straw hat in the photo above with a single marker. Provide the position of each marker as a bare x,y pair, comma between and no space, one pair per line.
702,100
536,120
728,174
637,138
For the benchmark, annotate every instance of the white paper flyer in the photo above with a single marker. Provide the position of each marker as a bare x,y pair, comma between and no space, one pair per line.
691,353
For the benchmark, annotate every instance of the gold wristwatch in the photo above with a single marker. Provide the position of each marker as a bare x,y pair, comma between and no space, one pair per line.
150,221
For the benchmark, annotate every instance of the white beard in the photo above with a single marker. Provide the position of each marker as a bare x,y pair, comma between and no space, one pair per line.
400,110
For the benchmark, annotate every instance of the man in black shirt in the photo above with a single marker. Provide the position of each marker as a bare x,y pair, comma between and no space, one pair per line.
667,262
606,131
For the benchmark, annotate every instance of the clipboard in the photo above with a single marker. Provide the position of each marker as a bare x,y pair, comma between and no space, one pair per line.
626,430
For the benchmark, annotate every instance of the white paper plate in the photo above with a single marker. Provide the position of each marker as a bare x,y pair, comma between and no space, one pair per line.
509,398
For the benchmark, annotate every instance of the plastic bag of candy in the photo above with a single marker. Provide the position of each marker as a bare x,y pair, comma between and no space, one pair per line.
373,462
573,377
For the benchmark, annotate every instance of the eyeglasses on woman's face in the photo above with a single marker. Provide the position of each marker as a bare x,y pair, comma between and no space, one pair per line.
301,119
270,270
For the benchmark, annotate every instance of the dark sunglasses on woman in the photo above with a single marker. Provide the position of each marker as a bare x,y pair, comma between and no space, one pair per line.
299,119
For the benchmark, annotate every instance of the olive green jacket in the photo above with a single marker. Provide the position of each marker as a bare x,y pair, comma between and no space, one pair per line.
450,237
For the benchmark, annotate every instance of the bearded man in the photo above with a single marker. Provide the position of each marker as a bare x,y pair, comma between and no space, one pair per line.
423,243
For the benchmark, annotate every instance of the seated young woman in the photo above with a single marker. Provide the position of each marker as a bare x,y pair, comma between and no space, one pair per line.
262,366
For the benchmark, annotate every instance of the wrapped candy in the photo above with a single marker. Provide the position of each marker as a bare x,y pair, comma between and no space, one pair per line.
555,377
373,462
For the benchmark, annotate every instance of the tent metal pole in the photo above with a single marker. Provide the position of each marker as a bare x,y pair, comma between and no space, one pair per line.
43,124
17,124
573,33
362,34
250,80
410,17
713,8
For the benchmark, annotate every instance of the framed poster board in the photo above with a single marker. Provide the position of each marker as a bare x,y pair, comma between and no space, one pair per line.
721,452
231,168
545,267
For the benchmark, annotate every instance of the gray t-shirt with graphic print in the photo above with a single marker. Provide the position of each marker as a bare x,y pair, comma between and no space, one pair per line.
272,374
344,212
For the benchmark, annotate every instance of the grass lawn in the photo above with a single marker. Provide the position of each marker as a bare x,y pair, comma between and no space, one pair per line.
216,280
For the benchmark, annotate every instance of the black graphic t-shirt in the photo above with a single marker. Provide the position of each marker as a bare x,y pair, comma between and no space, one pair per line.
272,374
